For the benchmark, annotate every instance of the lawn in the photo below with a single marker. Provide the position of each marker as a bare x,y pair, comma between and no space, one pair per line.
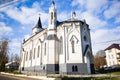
92,78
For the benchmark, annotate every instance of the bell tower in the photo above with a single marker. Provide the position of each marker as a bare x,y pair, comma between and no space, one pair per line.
52,42
52,16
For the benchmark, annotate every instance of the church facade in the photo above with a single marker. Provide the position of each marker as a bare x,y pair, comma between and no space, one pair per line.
62,48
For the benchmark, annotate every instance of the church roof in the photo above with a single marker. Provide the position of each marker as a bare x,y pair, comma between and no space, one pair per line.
38,25
70,21
117,46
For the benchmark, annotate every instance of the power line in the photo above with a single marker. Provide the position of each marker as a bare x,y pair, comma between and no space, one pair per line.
107,41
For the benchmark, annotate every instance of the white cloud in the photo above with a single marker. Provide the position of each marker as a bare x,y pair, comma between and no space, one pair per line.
15,43
117,20
26,36
113,10
15,46
2,16
92,20
91,5
102,38
77,2
26,15
5,30
96,5
63,16
92,9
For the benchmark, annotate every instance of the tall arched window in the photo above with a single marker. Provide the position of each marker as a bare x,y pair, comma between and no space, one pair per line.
26,56
30,54
61,45
34,54
45,49
73,69
38,51
73,46
51,17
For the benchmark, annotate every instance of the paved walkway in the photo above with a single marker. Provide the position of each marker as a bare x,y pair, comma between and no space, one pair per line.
26,77
9,76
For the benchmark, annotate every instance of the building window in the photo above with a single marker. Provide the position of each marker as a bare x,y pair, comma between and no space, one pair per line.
51,17
73,46
110,63
109,51
45,49
85,38
112,56
34,54
26,56
30,54
61,45
113,62
55,14
119,60
74,68
109,56
38,51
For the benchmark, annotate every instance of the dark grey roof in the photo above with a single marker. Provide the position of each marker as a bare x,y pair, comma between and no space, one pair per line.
69,21
38,25
113,46
52,37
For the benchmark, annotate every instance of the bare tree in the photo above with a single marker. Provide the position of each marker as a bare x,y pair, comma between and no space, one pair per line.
3,53
17,58
99,59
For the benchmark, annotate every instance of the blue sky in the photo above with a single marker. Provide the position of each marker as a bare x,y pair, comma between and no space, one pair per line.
103,17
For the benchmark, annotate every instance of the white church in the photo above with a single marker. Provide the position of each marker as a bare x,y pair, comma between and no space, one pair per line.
62,48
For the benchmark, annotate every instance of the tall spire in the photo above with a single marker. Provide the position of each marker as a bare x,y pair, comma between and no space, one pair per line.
38,25
53,3
52,16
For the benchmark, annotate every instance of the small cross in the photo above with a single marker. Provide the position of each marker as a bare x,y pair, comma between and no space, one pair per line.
39,14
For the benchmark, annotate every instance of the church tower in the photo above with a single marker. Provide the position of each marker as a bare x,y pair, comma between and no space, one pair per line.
38,27
52,16
52,42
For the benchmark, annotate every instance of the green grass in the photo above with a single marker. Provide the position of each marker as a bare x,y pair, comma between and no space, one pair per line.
91,78
116,73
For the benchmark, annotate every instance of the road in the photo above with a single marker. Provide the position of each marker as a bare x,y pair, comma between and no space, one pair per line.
9,77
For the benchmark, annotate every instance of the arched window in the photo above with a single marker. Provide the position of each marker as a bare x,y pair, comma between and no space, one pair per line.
51,17
30,54
85,38
26,56
73,69
45,49
61,45
38,51
34,54
55,14
76,68
73,46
